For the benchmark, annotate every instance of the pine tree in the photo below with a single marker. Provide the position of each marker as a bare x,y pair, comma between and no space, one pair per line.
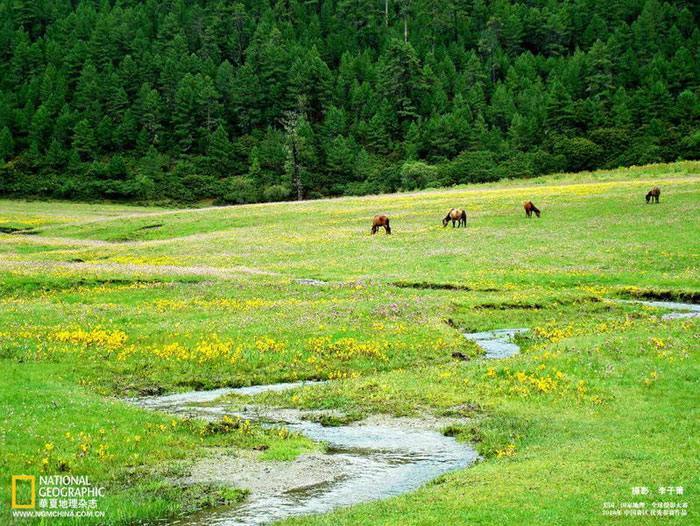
372,82
560,109
401,83
149,111
87,100
56,157
40,130
301,156
84,142
340,164
310,80
219,152
185,113
599,78
6,144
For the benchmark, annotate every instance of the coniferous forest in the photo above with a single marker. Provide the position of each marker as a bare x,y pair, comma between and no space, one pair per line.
262,100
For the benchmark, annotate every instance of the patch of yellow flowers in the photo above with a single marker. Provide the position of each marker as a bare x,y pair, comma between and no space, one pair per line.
103,337
346,349
207,350
507,451
553,333
265,344
165,305
543,380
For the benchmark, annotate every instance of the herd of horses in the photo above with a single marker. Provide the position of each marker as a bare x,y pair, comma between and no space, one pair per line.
458,216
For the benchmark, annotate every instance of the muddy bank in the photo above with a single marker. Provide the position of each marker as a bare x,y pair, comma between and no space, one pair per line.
376,458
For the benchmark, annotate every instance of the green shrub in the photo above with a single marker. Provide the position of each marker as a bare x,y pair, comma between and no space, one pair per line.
417,174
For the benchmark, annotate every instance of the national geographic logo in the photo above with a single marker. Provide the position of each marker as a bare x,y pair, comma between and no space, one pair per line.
26,500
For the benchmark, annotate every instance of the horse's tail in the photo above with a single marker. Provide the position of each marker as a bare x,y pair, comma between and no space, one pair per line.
464,215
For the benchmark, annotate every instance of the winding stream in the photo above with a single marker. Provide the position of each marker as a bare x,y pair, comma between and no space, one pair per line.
378,458
498,344
682,310
370,460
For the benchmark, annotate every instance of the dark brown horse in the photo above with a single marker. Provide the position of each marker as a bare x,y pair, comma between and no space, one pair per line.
530,208
457,216
653,195
379,222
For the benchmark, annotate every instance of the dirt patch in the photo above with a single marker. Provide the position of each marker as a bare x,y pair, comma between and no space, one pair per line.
509,306
685,296
332,419
15,230
150,227
430,286
312,282
246,470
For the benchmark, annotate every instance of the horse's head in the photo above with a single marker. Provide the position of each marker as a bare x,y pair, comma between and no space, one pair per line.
446,220
537,212
648,197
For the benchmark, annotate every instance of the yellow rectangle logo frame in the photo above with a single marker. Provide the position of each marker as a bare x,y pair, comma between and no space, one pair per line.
30,478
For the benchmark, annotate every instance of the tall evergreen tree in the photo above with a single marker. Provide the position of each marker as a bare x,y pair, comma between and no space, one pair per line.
204,90
6,144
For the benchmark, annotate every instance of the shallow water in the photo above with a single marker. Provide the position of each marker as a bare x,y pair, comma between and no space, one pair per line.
370,461
498,343
180,401
683,310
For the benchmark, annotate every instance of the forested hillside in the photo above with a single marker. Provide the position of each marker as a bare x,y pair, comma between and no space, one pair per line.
262,100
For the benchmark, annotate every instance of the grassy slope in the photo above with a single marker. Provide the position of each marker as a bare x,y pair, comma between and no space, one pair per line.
565,447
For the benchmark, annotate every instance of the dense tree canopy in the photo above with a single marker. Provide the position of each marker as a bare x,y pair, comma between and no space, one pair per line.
266,100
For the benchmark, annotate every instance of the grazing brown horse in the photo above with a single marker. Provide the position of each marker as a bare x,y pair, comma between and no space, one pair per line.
379,222
653,195
530,208
457,216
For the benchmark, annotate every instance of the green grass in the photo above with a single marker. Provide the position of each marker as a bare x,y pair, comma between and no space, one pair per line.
95,306
51,425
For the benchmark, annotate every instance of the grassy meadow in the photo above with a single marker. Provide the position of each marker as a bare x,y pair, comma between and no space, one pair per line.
104,302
